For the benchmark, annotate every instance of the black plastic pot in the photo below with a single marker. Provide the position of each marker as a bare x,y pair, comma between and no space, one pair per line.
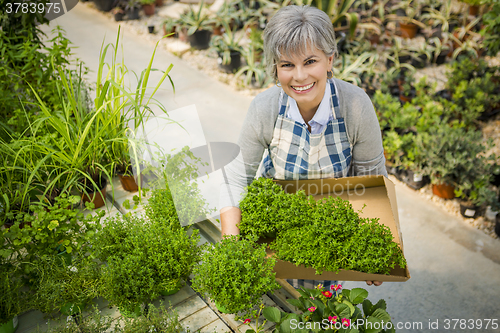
233,65
200,39
495,180
414,180
470,211
119,16
151,29
133,14
441,58
104,5
419,61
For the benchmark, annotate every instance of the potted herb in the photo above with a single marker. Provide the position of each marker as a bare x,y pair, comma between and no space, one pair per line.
12,302
491,29
228,49
332,310
58,229
234,274
132,8
68,288
144,259
408,22
253,71
198,25
157,319
148,6
118,13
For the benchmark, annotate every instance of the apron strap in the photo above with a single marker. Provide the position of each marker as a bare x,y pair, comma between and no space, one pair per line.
334,101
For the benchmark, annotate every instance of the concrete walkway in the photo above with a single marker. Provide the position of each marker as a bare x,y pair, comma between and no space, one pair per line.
455,269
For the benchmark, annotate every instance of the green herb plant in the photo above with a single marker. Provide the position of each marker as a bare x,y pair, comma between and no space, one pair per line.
61,286
12,300
235,273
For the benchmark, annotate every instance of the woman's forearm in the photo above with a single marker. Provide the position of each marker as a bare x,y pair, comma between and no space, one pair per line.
230,217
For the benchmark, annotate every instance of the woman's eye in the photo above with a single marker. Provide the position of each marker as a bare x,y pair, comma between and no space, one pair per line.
310,61
286,65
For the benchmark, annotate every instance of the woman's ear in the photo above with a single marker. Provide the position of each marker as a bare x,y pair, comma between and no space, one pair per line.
330,61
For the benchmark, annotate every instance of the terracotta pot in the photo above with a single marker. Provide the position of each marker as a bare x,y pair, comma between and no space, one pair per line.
128,183
374,39
149,9
408,30
473,10
98,198
218,31
444,191
404,98
171,33
158,3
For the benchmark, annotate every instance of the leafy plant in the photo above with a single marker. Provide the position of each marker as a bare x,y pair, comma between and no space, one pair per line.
12,300
254,71
158,320
94,322
350,242
235,273
226,44
143,258
196,20
52,230
61,285
491,29
331,311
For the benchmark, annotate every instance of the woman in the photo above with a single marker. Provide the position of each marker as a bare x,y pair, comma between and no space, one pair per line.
310,124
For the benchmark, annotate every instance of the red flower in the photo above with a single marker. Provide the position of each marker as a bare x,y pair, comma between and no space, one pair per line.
327,294
246,321
332,319
335,287
312,309
345,322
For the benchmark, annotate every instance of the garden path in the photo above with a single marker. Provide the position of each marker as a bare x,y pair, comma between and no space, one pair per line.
455,268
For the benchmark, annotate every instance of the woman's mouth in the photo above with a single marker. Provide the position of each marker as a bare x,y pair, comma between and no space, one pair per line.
303,88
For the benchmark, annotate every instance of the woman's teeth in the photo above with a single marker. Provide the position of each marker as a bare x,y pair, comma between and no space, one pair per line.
303,87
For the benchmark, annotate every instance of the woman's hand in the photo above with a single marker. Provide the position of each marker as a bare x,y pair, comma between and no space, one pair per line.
377,283
229,219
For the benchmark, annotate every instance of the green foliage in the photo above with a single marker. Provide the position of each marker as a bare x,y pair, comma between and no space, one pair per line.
160,208
58,284
143,258
196,20
491,29
12,301
326,234
94,322
225,44
321,310
51,230
235,273
156,320
337,238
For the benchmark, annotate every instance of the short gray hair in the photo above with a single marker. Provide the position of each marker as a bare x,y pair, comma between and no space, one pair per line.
292,29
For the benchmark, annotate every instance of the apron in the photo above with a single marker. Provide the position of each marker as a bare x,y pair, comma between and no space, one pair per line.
295,153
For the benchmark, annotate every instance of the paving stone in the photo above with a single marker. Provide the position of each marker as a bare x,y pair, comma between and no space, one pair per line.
217,326
175,299
190,306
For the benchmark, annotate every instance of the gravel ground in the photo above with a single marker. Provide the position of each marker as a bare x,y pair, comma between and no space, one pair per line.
206,61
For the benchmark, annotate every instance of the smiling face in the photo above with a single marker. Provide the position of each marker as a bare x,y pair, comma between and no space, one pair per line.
303,77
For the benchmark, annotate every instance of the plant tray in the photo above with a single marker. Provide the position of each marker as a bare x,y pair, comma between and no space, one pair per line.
377,193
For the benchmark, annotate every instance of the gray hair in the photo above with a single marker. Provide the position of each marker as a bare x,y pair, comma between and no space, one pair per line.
292,29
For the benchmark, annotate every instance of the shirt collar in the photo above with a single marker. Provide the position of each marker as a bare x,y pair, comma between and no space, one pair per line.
322,115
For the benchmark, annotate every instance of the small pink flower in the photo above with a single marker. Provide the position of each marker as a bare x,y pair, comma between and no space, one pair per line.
312,309
327,294
335,287
346,322
311,298
333,319
246,321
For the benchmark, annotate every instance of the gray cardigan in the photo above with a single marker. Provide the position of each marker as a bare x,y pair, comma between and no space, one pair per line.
256,134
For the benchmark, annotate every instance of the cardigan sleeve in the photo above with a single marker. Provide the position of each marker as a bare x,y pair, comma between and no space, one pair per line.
255,137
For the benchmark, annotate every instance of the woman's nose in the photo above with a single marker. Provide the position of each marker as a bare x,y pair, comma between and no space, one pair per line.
300,73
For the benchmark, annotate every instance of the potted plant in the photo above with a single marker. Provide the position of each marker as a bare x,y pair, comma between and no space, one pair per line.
12,301
198,25
67,288
132,8
144,259
332,310
444,20
234,273
408,22
118,13
148,6
491,29
170,27
440,50
228,50
254,72
57,230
